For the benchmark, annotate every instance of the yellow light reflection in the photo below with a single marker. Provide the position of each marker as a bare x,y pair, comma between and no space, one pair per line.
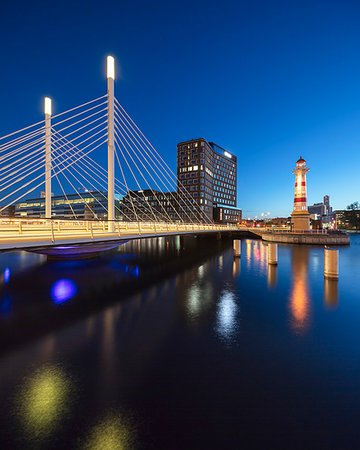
112,433
299,297
272,275
331,293
236,267
43,401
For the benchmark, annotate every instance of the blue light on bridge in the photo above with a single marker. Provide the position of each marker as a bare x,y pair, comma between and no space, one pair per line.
62,290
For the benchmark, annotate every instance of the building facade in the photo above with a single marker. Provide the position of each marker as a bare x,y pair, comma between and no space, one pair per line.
208,174
321,209
90,205
224,176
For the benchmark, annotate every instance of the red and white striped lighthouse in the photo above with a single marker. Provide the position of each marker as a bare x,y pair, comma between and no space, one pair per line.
300,218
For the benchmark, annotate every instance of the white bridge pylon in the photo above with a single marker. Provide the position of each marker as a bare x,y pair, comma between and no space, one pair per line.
64,154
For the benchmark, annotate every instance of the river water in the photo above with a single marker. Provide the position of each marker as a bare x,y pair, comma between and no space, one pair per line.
172,343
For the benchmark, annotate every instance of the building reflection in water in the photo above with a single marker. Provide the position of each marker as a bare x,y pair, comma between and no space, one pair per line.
331,293
272,275
43,401
226,315
299,296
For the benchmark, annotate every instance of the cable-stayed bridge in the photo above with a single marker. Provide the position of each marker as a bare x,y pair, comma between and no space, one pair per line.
134,194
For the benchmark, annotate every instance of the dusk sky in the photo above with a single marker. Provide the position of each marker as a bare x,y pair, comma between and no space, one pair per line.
267,80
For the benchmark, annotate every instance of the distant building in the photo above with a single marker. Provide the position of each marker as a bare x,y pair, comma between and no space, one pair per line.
317,210
90,205
227,215
150,205
9,211
280,221
347,219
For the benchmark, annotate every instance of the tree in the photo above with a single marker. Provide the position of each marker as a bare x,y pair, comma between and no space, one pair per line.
353,206
353,215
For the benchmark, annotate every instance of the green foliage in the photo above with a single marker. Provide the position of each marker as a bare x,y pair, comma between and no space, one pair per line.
353,206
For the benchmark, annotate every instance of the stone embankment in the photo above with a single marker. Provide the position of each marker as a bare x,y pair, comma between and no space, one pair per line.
306,238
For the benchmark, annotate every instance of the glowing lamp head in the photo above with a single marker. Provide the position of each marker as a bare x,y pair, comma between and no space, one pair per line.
111,67
47,105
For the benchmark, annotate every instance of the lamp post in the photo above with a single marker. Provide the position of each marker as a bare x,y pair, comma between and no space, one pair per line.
111,146
47,110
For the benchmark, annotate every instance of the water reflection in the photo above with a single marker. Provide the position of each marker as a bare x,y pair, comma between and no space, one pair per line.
112,433
226,315
43,401
62,290
221,263
5,305
299,296
272,275
331,292
256,254
236,267
6,275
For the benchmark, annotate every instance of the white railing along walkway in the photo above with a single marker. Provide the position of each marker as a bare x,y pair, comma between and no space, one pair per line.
35,230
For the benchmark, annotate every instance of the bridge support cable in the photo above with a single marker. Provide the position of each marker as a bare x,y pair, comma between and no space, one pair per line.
103,181
156,157
36,160
82,185
135,178
37,177
120,144
91,162
127,188
156,170
100,174
125,135
122,139
46,171
66,197
79,172
56,116
25,145
6,145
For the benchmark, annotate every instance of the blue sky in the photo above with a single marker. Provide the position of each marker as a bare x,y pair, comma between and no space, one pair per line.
269,81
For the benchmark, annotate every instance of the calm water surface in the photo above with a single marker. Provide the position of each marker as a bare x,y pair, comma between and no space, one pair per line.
171,343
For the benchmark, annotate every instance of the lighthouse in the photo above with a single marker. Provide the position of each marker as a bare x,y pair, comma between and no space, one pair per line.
300,217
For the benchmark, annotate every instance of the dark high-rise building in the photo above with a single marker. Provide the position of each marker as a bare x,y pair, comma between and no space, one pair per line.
225,172
208,173
195,162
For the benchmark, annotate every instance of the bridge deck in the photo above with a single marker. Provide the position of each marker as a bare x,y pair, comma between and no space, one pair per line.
19,234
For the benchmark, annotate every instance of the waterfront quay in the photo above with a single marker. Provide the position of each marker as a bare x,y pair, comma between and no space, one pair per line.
307,237
152,344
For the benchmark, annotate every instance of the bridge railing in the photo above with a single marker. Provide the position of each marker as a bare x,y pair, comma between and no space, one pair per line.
54,229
